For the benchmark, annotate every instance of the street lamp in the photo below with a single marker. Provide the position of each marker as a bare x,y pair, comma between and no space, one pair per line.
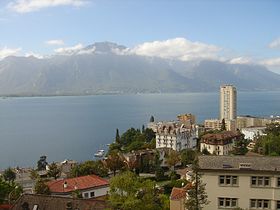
10,194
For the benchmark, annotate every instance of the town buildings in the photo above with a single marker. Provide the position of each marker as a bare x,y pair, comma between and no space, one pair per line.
241,181
90,186
219,143
176,135
227,102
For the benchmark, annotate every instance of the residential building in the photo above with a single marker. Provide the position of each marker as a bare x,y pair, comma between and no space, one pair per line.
187,119
46,202
248,182
251,121
212,124
176,136
90,186
219,143
227,102
177,198
252,132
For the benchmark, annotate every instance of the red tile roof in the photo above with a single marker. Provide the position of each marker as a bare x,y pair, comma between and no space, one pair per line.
78,183
178,193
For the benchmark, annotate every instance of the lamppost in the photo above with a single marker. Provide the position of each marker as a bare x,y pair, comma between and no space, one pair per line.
10,194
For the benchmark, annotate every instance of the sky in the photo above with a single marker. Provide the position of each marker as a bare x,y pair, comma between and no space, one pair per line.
233,31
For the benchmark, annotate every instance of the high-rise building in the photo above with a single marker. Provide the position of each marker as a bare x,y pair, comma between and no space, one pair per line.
227,102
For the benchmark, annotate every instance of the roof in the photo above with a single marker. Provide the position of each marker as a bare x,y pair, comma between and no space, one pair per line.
78,183
47,202
5,206
235,163
178,193
221,136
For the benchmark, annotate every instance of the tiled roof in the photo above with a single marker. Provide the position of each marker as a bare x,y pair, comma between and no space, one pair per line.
178,193
78,183
58,203
221,136
234,163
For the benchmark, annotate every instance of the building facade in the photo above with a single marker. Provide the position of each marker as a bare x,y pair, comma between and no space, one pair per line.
227,102
176,136
241,181
219,143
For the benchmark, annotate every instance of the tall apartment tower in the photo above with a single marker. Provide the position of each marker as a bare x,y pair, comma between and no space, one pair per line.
227,102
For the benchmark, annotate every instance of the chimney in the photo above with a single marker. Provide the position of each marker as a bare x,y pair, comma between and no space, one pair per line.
65,185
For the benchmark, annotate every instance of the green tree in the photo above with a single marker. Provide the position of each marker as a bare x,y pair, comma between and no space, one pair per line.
54,171
89,167
152,119
127,192
196,195
223,126
114,162
149,135
34,174
173,158
9,192
9,175
187,156
41,187
117,139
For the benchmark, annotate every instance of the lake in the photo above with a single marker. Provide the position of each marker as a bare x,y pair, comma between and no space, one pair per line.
75,127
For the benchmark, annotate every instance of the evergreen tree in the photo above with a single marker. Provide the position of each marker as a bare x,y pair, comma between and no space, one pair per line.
197,197
118,139
54,171
9,175
41,187
143,128
223,126
152,119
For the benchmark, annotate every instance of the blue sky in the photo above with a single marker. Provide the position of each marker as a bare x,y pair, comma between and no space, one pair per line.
235,30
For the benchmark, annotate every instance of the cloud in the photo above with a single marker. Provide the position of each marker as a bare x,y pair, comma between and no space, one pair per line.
25,6
273,62
4,52
178,48
275,43
241,60
55,42
69,50
36,55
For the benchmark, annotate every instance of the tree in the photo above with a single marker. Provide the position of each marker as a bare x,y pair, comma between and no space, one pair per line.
34,174
9,191
196,195
223,126
54,171
89,167
114,162
187,156
152,119
42,163
41,187
127,191
9,175
117,139
173,158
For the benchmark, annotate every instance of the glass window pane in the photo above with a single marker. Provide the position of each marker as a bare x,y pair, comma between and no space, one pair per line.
265,204
259,203
254,180
260,180
234,180
221,202
266,181
233,202
222,179
227,202
253,203
228,178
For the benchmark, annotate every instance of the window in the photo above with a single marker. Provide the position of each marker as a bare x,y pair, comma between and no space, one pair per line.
278,182
227,202
92,194
260,204
228,180
35,207
278,205
260,181
85,195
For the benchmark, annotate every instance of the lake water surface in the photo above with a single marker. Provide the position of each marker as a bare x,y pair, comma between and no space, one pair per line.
75,127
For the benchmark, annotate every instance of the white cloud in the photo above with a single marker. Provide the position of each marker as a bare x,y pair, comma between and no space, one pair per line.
178,48
69,50
36,55
25,6
275,43
241,60
4,52
55,42
271,62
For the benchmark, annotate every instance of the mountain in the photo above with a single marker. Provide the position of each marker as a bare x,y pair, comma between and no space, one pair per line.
107,67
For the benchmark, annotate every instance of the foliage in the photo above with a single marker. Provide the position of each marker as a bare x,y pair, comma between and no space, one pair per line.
41,187
42,163
9,175
127,191
270,143
117,139
114,162
159,174
173,158
187,156
205,152
152,119
9,191
77,194
174,183
174,176
89,167
34,174
223,126
197,196
240,147
54,171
